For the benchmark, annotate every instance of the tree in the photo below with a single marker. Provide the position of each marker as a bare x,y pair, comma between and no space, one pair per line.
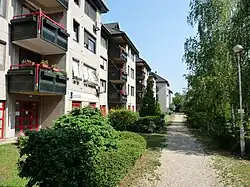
178,101
149,104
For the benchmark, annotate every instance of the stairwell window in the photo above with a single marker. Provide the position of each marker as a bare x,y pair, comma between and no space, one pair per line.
2,55
132,73
3,8
132,91
89,42
75,68
103,63
76,30
128,89
103,86
77,2
104,43
90,10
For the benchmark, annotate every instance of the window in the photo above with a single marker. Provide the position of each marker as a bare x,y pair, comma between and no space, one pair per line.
76,2
75,69
76,104
104,43
132,91
89,42
128,70
103,86
90,74
132,73
128,89
2,55
3,8
90,10
103,64
133,56
76,28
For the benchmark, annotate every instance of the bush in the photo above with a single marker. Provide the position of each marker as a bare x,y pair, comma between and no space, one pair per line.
77,152
150,124
123,119
112,166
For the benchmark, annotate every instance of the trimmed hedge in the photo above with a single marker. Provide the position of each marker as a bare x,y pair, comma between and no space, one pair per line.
123,119
112,166
77,152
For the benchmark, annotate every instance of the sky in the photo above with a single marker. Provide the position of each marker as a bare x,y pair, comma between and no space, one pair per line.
158,30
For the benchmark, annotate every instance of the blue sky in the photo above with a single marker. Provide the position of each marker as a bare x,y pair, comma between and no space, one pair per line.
158,31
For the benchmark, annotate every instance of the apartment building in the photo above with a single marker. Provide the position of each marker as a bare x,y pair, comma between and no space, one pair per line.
162,88
142,75
121,68
50,58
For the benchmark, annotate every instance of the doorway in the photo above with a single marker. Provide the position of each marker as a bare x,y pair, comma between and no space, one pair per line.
26,116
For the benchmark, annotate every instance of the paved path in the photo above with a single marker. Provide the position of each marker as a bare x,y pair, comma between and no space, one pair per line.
183,162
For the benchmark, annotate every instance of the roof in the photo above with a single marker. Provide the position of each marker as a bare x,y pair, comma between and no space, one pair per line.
152,75
170,91
105,32
160,79
114,29
140,60
100,5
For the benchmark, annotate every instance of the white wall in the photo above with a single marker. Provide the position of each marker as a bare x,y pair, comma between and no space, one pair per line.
162,93
78,51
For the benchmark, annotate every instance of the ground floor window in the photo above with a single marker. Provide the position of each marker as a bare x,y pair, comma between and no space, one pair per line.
93,105
103,110
76,104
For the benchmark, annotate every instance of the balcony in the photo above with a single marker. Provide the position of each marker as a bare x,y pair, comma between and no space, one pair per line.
36,80
118,98
140,75
39,33
53,4
118,55
117,75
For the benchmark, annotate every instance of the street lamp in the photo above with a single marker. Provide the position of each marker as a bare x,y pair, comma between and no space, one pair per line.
238,50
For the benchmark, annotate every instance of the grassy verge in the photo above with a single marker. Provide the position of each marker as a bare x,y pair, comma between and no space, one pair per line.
8,167
146,165
232,170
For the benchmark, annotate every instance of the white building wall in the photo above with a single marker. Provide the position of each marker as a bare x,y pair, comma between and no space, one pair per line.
162,93
78,51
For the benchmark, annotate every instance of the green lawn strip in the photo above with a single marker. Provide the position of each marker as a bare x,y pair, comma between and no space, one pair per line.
8,167
145,166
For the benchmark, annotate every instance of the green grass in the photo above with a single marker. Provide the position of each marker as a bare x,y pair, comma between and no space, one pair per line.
145,166
8,167
232,170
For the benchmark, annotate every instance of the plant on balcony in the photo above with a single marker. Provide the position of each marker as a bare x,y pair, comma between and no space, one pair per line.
44,63
55,68
28,62
63,72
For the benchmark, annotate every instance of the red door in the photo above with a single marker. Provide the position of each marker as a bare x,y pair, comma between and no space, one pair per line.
133,108
2,111
26,116
129,108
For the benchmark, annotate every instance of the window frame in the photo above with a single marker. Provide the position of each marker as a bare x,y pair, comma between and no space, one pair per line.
3,8
89,38
3,44
128,92
77,39
77,3
132,91
103,82
87,7
132,73
128,70
74,60
103,64
104,42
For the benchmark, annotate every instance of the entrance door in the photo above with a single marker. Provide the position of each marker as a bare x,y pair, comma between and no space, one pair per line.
2,109
26,116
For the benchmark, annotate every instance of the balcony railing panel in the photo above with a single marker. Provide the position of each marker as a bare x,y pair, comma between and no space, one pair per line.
38,32
28,79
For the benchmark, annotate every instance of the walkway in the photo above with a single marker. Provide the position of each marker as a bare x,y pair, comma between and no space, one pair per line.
183,162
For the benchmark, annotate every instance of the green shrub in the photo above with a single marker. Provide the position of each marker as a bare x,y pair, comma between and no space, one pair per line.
77,152
149,124
112,166
123,119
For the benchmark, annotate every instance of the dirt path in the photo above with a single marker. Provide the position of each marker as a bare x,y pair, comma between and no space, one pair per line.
183,162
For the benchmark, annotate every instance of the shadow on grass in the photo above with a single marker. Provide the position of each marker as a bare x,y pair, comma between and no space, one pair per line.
155,141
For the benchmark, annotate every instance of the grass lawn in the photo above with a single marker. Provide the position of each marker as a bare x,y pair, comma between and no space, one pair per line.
8,167
232,170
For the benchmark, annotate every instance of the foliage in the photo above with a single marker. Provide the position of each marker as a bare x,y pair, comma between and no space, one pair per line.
149,106
178,101
149,124
112,166
211,101
122,119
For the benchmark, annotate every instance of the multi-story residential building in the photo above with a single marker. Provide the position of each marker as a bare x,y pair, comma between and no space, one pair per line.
142,74
154,77
37,33
121,68
162,92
